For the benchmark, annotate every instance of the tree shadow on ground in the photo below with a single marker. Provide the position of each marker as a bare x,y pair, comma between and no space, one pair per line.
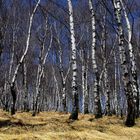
6,123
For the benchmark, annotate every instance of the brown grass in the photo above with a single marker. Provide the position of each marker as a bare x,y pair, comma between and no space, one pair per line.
56,126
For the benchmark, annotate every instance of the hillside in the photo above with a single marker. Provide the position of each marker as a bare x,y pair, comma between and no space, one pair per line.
56,126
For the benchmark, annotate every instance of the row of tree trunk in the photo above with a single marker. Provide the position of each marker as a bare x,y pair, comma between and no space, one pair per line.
129,78
127,72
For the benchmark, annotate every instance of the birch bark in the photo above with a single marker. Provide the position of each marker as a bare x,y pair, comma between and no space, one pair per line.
135,87
12,86
98,112
74,113
130,121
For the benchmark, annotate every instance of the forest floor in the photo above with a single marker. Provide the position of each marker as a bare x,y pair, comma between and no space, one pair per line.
56,126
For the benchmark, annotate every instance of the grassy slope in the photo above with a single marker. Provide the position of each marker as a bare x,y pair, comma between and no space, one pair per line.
56,126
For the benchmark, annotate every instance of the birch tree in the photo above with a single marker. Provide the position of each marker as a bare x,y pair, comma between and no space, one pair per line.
84,58
105,66
61,70
12,86
40,70
115,85
135,87
74,113
25,87
98,112
130,120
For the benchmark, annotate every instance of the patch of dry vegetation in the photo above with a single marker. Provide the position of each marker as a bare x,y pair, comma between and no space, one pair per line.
56,126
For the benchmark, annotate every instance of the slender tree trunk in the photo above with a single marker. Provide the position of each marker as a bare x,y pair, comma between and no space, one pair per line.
84,60
107,93
64,96
5,100
86,101
14,97
57,107
38,81
98,110
12,56
40,70
12,86
61,70
75,108
13,92
83,84
63,82
1,40
135,87
130,120
115,88
120,88
25,103
106,77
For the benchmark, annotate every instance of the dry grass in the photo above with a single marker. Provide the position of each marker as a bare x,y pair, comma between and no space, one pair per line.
56,126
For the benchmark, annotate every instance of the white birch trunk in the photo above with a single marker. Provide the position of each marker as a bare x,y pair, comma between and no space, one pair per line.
12,57
98,112
130,121
135,87
107,91
11,61
106,80
74,114
12,86
27,44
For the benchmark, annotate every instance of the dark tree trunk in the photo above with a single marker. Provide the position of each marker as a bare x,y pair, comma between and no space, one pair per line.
74,113
121,113
57,104
86,110
137,96
14,97
26,106
1,38
137,106
108,110
98,114
6,107
64,102
130,120
98,109
64,105
35,108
